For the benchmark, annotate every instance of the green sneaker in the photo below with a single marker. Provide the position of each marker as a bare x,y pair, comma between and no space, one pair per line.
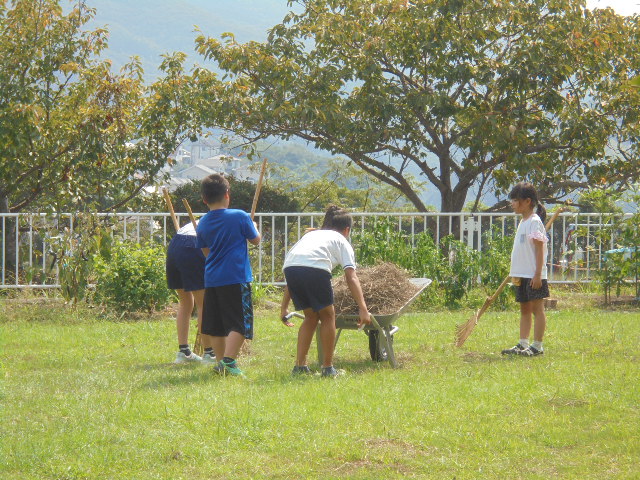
230,368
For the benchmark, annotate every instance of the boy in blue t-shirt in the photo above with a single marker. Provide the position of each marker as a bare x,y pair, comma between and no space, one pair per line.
228,312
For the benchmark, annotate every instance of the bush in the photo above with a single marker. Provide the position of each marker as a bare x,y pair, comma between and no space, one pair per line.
454,267
132,278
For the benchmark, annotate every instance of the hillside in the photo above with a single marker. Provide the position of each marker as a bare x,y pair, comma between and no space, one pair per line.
149,28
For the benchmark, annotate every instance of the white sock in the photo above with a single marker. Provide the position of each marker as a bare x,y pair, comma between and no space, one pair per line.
537,345
524,342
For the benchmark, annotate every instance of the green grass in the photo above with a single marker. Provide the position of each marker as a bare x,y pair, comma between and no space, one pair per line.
85,398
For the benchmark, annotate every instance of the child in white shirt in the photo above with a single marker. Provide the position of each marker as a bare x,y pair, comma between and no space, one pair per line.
307,269
528,268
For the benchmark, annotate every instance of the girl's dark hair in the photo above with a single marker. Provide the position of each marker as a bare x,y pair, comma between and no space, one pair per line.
336,218
524,190
214,187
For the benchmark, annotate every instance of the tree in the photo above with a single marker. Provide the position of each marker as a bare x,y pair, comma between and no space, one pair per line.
339,184
471,95
242,193
73,134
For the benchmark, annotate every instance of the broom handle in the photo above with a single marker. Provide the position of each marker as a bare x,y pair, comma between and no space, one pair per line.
167,199
258,188
491,299
188,207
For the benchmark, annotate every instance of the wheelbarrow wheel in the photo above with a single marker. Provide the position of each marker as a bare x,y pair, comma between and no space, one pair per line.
377,351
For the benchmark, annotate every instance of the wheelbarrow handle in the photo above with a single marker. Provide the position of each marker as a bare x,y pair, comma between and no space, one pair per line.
374,322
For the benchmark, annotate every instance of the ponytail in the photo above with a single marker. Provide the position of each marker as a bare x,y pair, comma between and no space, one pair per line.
331,212
336,218
542,212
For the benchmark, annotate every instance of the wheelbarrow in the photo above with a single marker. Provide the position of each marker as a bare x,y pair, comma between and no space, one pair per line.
380,331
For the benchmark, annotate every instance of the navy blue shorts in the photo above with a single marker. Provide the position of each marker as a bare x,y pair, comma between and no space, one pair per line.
309,287
524,292
185,264
227,309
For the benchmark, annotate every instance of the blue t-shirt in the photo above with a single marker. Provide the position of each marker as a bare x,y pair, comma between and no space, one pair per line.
225,233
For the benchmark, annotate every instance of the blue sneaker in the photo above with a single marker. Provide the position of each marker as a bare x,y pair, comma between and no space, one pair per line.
301,370
329,372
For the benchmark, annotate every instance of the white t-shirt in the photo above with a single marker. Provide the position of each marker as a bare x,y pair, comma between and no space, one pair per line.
187,230
323,249
523,255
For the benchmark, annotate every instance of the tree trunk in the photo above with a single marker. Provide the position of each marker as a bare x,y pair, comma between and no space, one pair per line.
452,202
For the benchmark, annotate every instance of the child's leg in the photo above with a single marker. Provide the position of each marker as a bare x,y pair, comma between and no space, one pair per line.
198,296
305,335
185,307
233,344
327,334
526,310
218,344
541,319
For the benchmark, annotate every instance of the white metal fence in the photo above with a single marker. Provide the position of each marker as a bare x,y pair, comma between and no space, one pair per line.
576,249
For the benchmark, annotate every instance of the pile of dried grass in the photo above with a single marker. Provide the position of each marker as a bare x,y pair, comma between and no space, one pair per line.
386,289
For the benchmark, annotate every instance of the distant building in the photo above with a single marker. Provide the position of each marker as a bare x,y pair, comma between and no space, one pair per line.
190,163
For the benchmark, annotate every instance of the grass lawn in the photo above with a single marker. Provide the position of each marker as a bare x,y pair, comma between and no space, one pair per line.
86,398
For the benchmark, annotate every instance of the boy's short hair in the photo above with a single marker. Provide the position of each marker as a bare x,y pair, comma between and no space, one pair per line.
213,188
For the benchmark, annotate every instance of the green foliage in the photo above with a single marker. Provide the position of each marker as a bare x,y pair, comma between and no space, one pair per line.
242,193
75,136
454,267
341,183
495,262
75,253
460,272
469,93
383,241
132,278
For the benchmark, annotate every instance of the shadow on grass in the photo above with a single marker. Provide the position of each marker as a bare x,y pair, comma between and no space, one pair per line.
170,374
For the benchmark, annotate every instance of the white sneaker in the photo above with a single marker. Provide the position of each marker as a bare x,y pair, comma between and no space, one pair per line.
208,358
182,358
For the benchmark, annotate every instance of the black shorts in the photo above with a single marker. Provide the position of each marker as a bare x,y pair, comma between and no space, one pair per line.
309,287
185,264
228,309
524,292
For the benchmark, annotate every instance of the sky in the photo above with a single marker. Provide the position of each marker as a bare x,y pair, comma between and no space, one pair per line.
621,7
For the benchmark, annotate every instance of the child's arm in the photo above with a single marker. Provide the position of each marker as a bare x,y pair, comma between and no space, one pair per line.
536,281
256,240
284,307
356,292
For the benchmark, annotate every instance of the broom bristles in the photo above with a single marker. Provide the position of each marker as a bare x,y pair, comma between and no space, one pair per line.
463,331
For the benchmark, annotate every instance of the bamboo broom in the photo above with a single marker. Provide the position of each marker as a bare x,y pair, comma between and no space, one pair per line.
463,331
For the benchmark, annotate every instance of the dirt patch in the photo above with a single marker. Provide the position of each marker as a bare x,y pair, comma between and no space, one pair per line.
386,289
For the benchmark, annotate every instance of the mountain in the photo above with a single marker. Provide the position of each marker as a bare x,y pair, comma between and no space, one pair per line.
149,28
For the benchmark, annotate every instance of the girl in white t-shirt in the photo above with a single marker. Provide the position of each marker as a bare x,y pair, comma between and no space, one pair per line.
307,269
528,268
